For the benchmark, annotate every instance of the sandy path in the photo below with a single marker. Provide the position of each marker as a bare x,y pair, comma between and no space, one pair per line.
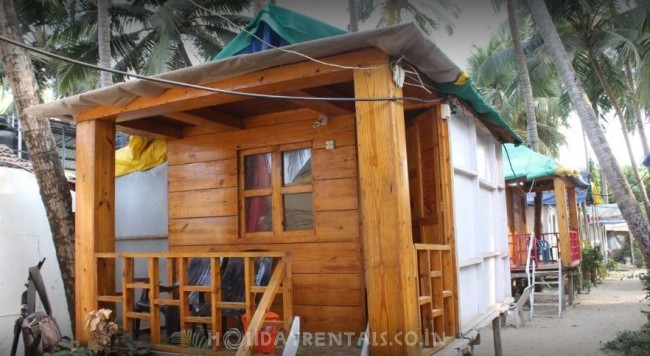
584,328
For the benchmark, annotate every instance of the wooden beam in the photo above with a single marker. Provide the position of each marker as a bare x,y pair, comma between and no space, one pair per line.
95,217
385,211
323,107
219,122
562,221
151,128
297,76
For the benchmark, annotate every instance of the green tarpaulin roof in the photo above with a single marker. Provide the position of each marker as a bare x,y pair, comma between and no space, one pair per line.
291,26
297,28
522,162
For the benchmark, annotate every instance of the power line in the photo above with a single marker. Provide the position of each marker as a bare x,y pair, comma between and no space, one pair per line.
209,89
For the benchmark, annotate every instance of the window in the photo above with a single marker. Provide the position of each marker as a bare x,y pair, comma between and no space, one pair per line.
276,187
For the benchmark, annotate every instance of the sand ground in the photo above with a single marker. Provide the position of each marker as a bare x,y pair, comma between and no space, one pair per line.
584,328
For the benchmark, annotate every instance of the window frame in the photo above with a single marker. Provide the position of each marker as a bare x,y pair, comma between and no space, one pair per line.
277,192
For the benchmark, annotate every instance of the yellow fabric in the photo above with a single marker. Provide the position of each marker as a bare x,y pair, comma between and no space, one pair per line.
596,194
140,155
462,79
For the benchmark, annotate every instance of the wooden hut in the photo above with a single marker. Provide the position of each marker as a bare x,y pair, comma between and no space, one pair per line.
556,245
362,229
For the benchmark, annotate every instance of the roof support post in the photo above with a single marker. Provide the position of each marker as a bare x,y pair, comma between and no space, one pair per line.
95,216
562,221
386,215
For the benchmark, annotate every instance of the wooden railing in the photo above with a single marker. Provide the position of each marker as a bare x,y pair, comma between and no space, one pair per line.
576,250
177,266
518,249
436,295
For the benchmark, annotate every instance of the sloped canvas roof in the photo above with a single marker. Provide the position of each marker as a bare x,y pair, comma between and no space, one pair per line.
522,162
402,41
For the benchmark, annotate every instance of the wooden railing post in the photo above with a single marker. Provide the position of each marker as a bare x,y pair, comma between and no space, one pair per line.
127,293
154,295
287,294
182,294
249,281
215,299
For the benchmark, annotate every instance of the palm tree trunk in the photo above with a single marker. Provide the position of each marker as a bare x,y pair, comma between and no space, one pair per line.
104,42
354,18
532,137
51,179
637,110
624,197
626,136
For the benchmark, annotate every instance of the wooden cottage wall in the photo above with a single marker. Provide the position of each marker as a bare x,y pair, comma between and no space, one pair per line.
480,221
327,263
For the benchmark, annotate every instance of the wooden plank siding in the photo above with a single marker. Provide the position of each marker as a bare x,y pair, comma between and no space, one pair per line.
204,202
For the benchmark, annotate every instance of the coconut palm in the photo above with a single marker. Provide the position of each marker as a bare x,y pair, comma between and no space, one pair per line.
589,26
50,176
443,12
494,70
147,37
625,198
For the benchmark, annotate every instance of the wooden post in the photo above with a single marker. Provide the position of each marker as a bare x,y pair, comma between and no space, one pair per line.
385,213
496,332
95,217
562,221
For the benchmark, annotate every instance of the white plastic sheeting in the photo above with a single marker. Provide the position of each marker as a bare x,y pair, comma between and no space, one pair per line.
141,204
480,223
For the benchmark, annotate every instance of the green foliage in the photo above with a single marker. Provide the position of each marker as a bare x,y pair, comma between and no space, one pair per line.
593,265
190,338
636,343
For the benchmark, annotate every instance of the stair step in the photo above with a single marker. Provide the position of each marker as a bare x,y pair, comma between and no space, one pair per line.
553,304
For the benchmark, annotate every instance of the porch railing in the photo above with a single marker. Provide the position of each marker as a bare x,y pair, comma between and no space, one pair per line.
518,244
576,251
545,250
177,266
436,295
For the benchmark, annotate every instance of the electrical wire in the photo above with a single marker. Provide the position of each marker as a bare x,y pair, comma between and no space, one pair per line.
213,90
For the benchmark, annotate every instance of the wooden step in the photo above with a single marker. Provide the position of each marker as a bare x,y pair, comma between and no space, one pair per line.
167,302
137,285
198,319
197,289
231,305
262,289
425,299
110,298
436,312
447,293
435,274
134,315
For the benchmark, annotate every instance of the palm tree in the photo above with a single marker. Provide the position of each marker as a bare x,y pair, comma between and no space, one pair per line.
625,198
146,37
443,12
589,26
104,41
494,71
42,148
